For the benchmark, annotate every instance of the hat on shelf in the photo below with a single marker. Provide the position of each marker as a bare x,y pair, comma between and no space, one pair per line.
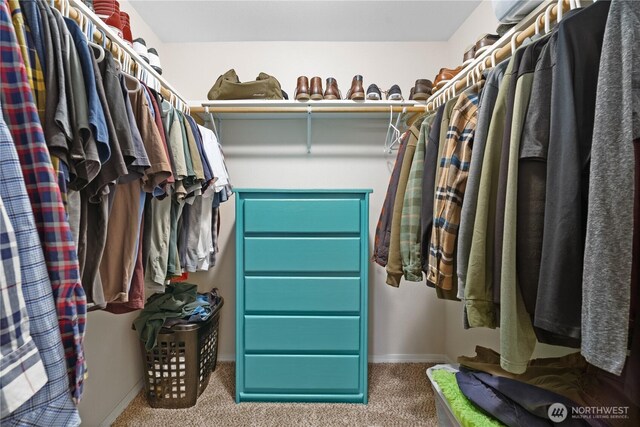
109,12
126,28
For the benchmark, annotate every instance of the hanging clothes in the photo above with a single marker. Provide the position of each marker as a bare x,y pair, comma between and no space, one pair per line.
48,210
609,253
394,264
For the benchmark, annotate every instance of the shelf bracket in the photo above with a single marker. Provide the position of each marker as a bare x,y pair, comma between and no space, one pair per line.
308,129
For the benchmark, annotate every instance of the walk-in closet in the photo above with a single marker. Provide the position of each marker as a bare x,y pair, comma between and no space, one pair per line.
319,213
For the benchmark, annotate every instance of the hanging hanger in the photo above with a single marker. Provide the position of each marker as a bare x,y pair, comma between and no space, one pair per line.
514,42
398,134
89,33
393,133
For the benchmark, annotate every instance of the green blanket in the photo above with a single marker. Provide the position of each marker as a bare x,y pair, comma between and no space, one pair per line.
466,412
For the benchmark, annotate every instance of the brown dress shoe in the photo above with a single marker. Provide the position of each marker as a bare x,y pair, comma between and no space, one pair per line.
445,75
484,43
302,89
316,88
356,92
469,54
422,90
332,91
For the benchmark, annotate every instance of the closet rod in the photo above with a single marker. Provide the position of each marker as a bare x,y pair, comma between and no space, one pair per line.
301,109
502,48
77,10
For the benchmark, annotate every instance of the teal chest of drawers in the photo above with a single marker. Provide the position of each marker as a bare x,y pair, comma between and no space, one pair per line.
301,295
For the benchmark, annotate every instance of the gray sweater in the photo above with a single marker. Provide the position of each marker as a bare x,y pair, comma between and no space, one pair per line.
606,286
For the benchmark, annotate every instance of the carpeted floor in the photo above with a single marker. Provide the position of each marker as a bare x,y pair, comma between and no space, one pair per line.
399,395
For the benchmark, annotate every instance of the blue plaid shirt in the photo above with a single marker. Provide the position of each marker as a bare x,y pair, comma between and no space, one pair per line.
22,369
51,405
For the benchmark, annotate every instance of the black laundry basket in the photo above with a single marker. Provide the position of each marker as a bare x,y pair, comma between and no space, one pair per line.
177,370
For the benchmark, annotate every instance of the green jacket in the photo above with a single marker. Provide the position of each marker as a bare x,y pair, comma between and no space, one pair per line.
179,300
394,264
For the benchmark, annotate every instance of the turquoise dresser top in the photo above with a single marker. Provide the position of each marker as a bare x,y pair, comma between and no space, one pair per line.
301,295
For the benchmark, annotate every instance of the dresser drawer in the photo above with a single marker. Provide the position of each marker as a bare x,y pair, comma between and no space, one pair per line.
302,216
301,374
311,334
302,294
302,254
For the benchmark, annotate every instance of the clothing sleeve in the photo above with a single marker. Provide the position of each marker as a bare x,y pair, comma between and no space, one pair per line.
468,211
558,306
517,338
394,264
478,291
22,372
160,168
410,222
608,246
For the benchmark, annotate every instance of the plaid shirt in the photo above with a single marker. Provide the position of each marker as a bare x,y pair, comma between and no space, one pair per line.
51,405
410,231
44,193
453,172
22,369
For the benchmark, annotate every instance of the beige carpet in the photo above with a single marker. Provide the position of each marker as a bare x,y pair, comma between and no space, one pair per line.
399,395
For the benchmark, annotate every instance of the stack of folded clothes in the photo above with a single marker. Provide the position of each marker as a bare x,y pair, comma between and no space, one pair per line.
563,390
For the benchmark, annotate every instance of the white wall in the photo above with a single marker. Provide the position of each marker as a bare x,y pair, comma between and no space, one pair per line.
194,67
482,21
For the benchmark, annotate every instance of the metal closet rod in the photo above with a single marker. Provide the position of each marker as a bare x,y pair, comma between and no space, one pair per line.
500,51
77,10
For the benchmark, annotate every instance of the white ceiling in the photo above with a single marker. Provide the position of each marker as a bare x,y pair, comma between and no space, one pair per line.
176,21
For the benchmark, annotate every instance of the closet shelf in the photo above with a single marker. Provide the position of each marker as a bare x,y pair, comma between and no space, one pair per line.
277,109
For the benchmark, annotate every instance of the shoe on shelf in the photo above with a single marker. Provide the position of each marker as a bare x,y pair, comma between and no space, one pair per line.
422,90
445,75
503,28
284,95
302,89
411,93
140,46
126,28
332,91
154,60
356,93
109,12
484,43
316,89
373,92
394,93
469,55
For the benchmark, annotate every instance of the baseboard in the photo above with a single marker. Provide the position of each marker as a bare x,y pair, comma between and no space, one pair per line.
381,358
226,357
408,358
119,409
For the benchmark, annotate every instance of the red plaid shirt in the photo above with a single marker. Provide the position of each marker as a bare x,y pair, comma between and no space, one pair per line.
51,220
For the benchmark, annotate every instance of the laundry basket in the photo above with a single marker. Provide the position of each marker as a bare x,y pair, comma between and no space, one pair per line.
177,370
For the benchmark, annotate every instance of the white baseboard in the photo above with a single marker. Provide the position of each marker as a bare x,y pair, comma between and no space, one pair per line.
408,358
124,403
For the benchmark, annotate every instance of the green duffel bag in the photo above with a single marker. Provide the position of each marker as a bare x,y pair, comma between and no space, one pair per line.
228,86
